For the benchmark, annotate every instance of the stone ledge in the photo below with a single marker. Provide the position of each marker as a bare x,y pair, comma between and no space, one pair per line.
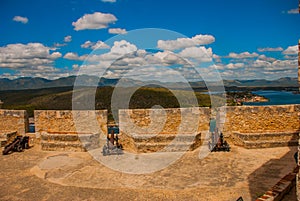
268,135
70,142
281,188
68,146
145,143
269,144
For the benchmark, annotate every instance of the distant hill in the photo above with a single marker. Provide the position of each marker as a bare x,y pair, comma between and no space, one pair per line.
282,82
85,80
60,98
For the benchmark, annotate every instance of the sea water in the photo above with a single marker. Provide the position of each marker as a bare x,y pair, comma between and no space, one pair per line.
276,98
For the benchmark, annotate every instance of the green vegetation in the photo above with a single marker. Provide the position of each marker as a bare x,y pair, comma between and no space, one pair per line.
61,99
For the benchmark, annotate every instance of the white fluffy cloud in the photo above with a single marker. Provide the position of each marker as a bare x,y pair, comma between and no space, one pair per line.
119,49
199,53
270,49
291,50
74,56
235,65
96,20
95,45
68,39
265,58
117,31
242,55
32,59
181,43
21,19
31,55
123,47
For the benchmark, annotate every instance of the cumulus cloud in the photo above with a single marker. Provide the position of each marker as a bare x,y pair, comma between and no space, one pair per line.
242,55
293,11
198,53
265,58
165,58
117,31
21,19
270,49
29,55
123,47
68,39
96,20
74,56
95,45
291,50
235,65
181,43
32,59
109,1
118,50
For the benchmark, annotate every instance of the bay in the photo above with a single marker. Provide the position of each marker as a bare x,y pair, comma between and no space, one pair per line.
276,98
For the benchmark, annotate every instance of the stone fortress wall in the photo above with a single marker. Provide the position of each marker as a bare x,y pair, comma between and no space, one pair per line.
259,119
188,125
67,130
260,126
68,121
14,121
169,121
248,126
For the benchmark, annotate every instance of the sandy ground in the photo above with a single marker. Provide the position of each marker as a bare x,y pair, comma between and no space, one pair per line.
39,175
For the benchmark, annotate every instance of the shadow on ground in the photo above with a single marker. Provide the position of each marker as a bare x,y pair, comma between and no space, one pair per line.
266,176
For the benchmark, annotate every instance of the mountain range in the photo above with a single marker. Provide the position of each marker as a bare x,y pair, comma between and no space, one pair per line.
85,80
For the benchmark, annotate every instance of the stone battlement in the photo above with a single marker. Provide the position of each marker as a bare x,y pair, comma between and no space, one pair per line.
248,126
258,119
14,120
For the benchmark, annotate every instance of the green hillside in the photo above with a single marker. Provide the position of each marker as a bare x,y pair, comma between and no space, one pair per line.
61,99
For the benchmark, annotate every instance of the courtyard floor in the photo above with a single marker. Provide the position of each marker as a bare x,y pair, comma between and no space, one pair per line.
40,175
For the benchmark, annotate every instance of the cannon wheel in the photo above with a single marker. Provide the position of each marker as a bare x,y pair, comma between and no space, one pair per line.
19,148
26,146
105,150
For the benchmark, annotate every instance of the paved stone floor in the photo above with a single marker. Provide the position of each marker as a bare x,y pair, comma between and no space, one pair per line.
38,175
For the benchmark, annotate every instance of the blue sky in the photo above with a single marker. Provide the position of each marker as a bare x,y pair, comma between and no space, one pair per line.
245,39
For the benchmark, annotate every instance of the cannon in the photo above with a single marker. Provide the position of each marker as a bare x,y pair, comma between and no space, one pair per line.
18,144
112,146
218,143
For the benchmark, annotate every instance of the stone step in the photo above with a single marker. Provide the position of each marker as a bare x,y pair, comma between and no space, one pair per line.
144,147
68,146
70,137
147,138
278,136
269,144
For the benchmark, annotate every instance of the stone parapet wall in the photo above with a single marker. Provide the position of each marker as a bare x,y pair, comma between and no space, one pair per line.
258,119
171,130
14,120
68,121
164,121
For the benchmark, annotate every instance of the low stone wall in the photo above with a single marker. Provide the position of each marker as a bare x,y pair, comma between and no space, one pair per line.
259,119
67,130
152,130
164,121
68,121
14,120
